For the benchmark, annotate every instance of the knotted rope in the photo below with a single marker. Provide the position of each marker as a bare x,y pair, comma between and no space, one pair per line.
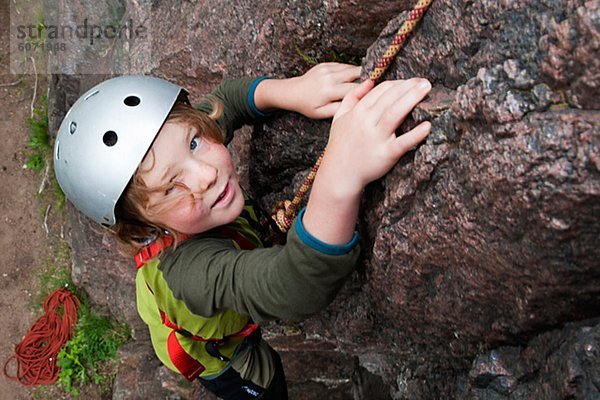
285,211
35,355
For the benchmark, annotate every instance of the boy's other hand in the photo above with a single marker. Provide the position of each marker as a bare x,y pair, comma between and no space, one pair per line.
317,94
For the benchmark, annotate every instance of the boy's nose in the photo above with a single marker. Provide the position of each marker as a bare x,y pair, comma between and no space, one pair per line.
202,177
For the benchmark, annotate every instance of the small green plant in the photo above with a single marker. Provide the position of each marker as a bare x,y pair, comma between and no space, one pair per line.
328,56
40,38
39,142
341,57
35,162
40,148
86,358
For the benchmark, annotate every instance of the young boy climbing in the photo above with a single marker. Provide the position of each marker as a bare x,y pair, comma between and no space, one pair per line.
132,154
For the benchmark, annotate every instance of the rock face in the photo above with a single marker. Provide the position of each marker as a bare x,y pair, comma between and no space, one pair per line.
556,364
485,236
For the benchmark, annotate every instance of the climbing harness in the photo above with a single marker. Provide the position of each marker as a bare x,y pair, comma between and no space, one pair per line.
35,356
285,211
188,364
188,359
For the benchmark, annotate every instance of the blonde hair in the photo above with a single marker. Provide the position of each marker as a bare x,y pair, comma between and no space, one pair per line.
135,226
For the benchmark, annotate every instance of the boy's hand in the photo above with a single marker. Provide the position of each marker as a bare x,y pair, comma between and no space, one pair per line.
319,92
362,147
316,94
364,128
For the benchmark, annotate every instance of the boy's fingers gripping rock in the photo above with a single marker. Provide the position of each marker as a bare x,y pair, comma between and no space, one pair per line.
338,67
397,103
353,97
408,140
328,109
340,90
381,90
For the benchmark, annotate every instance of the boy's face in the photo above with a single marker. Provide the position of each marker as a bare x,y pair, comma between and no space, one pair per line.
180,158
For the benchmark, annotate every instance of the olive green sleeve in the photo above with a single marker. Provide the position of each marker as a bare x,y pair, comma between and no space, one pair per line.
237,97
293,281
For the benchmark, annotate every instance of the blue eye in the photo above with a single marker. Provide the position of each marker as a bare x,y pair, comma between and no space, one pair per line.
171,186
195,143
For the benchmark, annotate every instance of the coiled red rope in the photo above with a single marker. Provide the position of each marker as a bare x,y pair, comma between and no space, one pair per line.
35,355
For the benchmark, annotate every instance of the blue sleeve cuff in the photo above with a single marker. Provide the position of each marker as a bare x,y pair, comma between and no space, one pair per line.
251,91
330,249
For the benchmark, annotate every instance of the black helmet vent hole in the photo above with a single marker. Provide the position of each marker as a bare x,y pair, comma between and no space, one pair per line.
72,127
132,101
110,138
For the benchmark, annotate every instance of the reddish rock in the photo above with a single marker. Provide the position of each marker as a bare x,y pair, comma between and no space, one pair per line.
483,237
487,233
561,364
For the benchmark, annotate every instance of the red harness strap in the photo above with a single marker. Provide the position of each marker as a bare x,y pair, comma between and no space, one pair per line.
152,250
187,366
245,331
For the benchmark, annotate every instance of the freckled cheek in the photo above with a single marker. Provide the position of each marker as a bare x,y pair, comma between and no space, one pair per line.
185,215
224,157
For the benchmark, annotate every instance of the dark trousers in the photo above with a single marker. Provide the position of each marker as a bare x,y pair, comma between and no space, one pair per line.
230,385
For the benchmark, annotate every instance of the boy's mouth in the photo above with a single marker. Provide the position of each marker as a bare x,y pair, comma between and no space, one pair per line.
224,197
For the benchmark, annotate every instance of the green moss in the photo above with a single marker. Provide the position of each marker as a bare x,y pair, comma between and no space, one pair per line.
342,57
40,149
310,60
54,273
328,56
39,141
59,196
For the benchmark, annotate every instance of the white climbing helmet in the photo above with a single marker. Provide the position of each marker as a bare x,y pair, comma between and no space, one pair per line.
104,137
